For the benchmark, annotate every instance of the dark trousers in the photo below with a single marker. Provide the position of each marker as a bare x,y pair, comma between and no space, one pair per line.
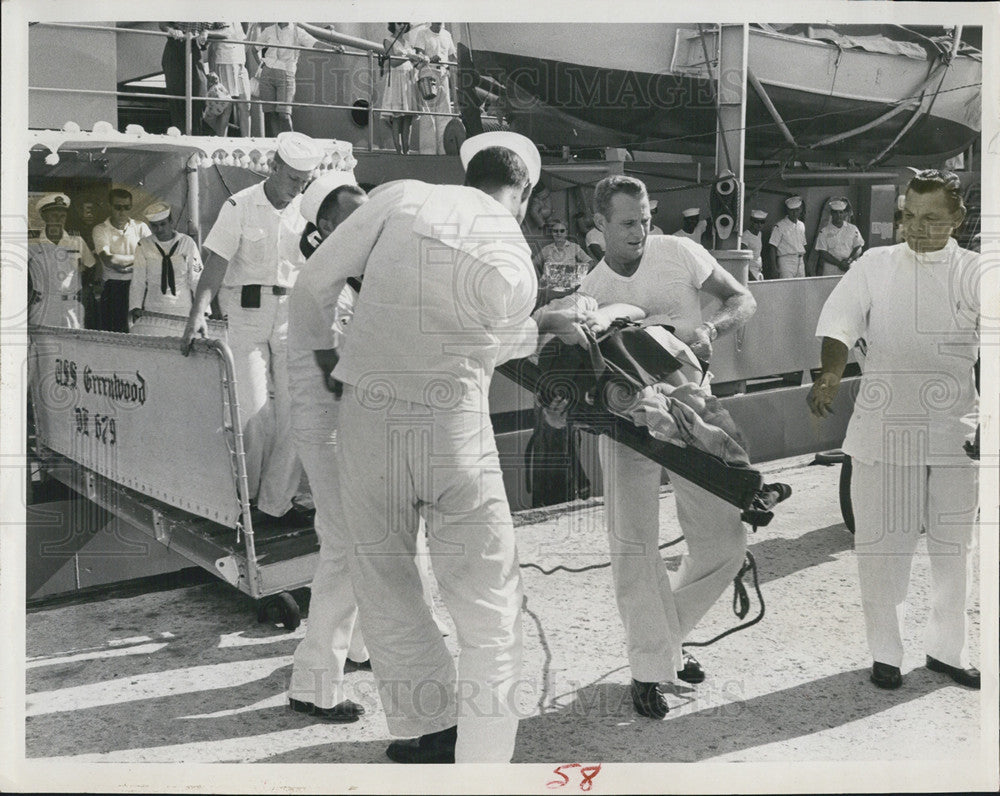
173,75
114,305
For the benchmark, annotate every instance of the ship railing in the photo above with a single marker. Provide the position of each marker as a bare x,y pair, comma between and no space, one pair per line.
366,49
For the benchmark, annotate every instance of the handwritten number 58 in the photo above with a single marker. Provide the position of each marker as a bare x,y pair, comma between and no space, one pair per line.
587,774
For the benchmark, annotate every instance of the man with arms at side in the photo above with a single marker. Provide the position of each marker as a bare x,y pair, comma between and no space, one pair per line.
839,243
664,277
448,291
917,306
752,238
316,687
167,269
252,262
115,242
56,261
787,245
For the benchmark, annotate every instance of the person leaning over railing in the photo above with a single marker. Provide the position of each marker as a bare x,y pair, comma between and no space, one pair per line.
280,59
229,63
175,73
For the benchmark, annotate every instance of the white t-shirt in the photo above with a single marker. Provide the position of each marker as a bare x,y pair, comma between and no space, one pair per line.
919,314
278,57
440,44
227,52
665,284
111,240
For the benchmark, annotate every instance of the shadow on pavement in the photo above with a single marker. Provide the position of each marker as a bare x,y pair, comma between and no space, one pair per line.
600,725
203,716
778,557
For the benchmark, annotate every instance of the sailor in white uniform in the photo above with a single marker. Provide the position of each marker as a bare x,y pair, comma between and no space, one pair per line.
166,270
332,638
55,260
788,240
448,292
752,238
693,226
917,306
252,262
839,243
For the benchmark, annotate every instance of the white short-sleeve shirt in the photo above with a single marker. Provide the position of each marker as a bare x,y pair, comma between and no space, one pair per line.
666,284
260,242
277,56
839,241
55,267
788,237
919,314
111,240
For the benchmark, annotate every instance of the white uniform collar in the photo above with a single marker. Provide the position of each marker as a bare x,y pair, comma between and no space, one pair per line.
932,258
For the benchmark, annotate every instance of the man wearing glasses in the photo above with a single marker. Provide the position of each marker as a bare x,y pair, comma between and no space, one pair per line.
115,242
564,262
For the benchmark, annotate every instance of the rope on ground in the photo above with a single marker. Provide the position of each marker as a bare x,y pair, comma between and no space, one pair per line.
589,567
741,601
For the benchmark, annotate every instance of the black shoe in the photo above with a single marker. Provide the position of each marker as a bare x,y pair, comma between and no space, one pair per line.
886,676
435,747
692,671
967,677
295,517
343,713
648,701
355,666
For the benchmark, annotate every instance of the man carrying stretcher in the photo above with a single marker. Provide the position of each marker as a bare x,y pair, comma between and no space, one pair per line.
659,280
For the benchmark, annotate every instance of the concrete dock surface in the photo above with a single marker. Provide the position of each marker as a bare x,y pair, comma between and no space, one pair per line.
188,676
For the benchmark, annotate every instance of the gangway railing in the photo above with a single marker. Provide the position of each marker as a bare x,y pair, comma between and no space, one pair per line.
370,51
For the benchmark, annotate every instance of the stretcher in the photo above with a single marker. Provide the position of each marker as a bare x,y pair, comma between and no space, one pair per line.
155,438
596,383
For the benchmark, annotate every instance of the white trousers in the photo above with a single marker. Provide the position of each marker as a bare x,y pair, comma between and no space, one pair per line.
431,128
400,460
658,611
891,504
331,632
258,339
791,266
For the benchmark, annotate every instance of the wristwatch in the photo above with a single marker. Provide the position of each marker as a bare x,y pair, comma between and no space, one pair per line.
713,333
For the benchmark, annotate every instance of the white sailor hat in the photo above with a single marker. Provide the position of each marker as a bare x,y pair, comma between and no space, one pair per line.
299,151
515,142
320,188
793,201
838,204
158,211
653,204
59,200
758,215
691,212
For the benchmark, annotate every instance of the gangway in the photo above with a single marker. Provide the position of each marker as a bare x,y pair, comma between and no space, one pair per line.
155,438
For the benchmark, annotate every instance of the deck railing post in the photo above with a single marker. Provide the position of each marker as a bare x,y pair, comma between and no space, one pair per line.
188,84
